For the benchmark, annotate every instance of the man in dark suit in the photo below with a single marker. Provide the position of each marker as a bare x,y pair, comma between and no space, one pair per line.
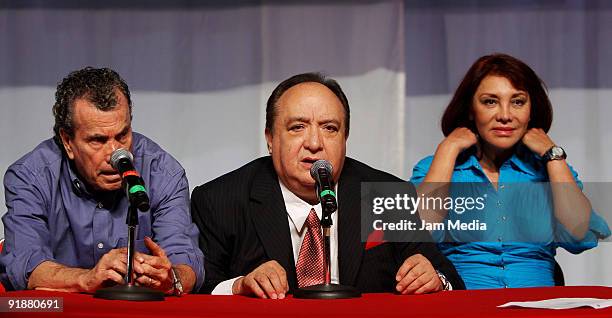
255,221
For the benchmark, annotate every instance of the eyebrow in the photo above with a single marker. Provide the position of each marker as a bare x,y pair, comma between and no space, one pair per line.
327,121
307,120
124,131
520,93
99,136
298,119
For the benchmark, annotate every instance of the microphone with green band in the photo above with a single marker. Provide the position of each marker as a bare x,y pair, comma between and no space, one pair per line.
321,172
134,186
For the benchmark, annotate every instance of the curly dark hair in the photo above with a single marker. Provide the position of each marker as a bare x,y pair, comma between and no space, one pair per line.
97,85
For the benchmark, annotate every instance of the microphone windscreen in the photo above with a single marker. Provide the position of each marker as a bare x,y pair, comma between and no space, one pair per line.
118,155
320,164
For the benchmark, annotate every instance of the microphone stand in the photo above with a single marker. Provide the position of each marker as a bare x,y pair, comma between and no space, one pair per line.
327,290
130,291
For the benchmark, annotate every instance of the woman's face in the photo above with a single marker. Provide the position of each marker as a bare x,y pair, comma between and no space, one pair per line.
500,112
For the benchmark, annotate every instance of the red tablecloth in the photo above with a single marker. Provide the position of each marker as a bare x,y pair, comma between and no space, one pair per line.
475,303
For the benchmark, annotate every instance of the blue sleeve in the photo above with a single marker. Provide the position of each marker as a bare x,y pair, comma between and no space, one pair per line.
420,170
173,228
26,231
598,229
418,174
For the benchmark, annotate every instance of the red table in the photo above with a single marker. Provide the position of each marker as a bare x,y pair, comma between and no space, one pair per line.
475,303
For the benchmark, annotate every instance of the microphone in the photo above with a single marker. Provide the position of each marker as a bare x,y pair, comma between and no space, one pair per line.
134,186
321,172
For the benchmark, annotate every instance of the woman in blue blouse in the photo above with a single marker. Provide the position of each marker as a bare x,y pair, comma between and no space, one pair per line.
495,130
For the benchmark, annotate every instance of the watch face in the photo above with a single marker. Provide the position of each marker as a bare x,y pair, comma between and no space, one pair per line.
557,152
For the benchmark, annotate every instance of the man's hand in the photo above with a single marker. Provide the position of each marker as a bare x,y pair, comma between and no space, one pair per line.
153,270
269,280
111,267
417,276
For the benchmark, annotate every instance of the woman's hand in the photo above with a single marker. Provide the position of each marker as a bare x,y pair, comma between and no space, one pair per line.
459,140
537,141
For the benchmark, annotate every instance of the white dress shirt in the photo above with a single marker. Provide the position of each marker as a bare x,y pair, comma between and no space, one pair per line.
297,213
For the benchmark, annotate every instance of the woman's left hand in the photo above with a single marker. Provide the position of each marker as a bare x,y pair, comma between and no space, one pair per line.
537,141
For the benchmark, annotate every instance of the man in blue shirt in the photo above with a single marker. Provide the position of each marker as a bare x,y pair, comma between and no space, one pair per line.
65,226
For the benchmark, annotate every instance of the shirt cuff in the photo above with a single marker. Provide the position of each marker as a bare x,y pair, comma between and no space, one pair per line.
19,274
224,287
193,262
446,284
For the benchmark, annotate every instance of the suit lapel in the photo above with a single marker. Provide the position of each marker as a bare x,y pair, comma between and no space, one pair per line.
270,219
350,247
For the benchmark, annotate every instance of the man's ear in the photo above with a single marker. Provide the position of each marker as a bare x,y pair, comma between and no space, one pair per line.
66,142
268,134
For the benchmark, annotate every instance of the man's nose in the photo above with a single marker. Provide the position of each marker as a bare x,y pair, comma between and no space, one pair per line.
110,148
313,140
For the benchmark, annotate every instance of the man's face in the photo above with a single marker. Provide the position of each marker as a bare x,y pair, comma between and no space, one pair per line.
97,134
310,125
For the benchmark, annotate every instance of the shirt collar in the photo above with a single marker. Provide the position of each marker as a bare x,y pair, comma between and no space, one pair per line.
523,160
467,161
298,209
79,187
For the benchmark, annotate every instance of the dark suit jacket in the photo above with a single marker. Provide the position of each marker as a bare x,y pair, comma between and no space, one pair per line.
243,223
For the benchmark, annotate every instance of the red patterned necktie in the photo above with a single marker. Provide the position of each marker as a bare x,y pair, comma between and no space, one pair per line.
309,267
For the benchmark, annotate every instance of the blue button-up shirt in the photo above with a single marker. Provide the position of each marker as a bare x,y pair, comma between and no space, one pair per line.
52,217
518,247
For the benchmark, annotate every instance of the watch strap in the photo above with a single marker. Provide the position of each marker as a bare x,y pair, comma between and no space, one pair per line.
446,285
177,286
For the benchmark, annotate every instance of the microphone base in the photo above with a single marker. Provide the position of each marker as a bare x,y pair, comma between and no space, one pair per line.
129,292
327,291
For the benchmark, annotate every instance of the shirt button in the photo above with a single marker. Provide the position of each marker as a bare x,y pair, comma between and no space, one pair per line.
100,205
100,245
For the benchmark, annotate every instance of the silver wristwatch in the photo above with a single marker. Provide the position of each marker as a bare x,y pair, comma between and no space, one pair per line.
176,283
446,285
554,153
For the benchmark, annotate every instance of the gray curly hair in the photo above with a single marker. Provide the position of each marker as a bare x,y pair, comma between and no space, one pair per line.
97,85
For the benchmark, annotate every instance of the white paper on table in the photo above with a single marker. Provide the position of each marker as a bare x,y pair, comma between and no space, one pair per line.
561,303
